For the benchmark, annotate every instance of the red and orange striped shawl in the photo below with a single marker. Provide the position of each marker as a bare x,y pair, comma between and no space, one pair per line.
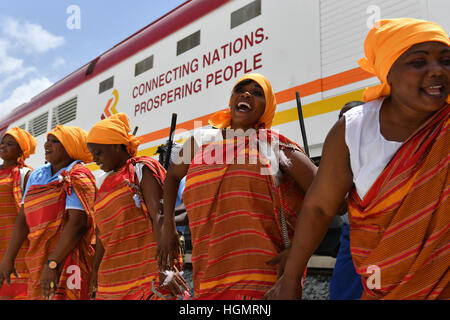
10,202
399,233
234,217
129,263
46,216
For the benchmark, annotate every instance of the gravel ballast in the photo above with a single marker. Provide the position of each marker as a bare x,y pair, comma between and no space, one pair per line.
316,286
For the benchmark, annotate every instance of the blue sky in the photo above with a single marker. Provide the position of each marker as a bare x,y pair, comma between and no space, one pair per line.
43,41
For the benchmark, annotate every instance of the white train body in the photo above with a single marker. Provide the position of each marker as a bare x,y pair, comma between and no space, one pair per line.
188,61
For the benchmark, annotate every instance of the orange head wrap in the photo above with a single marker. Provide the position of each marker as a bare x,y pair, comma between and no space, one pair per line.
387,41
26,141
222,119
74,142
114,130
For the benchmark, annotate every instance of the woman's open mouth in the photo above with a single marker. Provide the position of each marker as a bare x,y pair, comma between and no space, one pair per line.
436,91
243,107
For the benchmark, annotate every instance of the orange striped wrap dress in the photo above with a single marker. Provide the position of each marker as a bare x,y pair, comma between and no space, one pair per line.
399,233
234,217
46,216
125,229
10,203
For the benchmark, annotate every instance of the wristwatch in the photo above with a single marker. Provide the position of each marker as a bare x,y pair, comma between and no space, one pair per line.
52,264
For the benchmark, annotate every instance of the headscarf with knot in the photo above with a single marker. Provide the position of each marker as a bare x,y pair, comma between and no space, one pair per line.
26,142
387,41
114,130
222,119
74,142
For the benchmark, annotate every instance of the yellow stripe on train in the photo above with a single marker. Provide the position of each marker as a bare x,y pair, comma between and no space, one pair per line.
282,117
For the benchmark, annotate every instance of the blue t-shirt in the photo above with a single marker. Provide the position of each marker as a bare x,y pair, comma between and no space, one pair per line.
180,191
43,175
180,200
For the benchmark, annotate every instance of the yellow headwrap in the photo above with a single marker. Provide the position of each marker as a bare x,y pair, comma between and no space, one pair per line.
74,141
222,119
114,130
387,41
26,141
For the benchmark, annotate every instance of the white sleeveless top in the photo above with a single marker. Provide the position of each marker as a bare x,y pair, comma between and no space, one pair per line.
270,151
369,151
23,173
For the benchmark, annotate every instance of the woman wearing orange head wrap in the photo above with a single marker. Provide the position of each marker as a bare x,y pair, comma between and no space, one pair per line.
114,130
25,141
223,119
241,205
391,157
16,146
387,41
56,217
127,212
74,141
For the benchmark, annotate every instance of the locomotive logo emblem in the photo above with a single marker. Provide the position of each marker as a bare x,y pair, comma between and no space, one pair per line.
110,108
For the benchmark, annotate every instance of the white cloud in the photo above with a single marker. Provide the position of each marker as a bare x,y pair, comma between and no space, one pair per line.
32,37
8,63
20,78
11,69
16,76
23,94
58,62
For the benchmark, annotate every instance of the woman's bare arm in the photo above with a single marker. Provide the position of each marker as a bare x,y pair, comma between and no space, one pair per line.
70,237
321,204
168,246
18,236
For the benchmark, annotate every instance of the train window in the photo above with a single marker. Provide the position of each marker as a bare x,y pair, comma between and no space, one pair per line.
38,125
188,43
106,85
143,66
64,113
91,67
244,14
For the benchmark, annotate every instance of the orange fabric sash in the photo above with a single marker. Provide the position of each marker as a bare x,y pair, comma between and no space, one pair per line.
399,233
129,263
234,217
10,199
46,217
